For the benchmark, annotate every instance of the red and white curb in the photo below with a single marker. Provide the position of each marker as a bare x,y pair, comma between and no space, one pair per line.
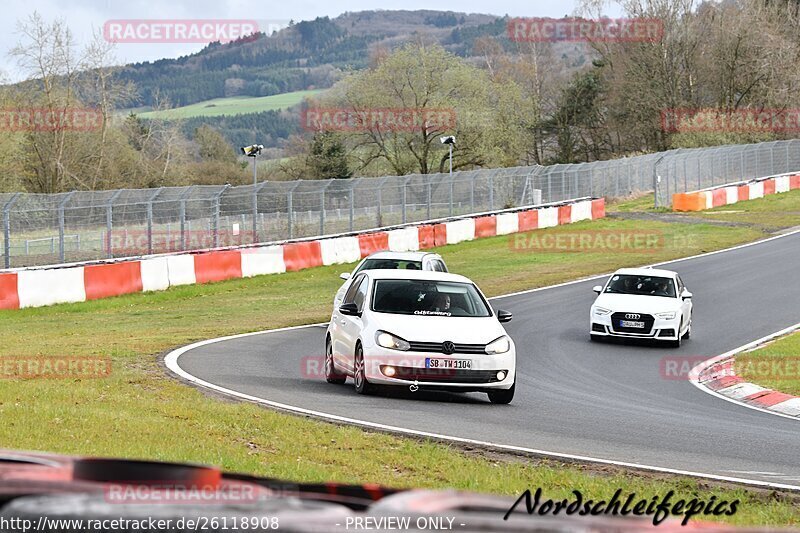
717,376
79,282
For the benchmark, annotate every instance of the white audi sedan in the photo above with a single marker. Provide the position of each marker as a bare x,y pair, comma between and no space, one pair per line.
391,261
642,303
420,330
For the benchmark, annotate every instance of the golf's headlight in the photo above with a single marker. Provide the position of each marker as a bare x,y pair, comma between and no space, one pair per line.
601,311
387,340
667,316
501,345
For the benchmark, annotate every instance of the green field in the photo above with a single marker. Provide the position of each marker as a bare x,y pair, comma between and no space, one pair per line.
237,105
775,366
140,411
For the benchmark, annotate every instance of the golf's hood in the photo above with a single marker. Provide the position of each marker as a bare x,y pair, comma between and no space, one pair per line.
638,304
461,330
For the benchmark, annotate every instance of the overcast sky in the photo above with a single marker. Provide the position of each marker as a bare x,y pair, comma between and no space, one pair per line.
85,16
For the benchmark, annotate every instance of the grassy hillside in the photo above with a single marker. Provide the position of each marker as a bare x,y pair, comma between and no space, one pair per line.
237,105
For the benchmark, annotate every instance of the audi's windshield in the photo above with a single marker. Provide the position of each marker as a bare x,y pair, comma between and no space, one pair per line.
641,285
423,297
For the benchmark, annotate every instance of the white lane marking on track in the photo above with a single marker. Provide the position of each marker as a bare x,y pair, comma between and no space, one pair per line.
171,361
694,375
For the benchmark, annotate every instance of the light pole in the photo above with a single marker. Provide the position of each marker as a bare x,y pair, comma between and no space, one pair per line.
450,140
254,150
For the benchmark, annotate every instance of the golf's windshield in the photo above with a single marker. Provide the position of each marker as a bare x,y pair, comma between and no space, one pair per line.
642,285
389,264
433,298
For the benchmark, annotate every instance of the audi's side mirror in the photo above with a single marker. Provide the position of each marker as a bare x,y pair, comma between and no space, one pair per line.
686,295
345,275
598,289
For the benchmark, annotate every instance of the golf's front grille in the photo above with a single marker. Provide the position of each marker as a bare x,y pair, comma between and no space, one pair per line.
449,375
437,347
634,317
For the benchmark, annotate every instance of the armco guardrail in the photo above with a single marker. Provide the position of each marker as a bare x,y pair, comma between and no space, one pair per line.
734,192
34,287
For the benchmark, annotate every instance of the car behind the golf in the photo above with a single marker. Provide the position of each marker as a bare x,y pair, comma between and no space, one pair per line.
387,260
420,329
644,303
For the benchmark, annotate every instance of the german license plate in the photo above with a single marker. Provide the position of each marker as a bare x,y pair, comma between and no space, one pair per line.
454,364
631,324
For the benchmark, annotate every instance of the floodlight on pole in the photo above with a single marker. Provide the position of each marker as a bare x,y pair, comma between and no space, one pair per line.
254,150
449,140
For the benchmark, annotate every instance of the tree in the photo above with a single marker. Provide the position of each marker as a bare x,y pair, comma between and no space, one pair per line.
428,81
327,157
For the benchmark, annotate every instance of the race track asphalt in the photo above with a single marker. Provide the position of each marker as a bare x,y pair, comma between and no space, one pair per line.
604,400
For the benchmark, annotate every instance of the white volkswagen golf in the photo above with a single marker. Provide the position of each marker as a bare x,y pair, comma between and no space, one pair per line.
642,303
420,329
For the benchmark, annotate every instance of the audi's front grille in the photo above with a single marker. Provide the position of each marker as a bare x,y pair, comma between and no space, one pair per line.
437,347
632,317
449,375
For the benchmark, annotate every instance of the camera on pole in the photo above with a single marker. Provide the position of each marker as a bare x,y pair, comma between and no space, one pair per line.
254,150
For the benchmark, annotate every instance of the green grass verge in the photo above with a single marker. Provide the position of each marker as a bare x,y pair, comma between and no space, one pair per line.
775,366
140,412
770,213
236,105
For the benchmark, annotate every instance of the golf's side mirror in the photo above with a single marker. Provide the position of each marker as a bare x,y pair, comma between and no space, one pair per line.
686,295
504,316
598,289
345,275
349,309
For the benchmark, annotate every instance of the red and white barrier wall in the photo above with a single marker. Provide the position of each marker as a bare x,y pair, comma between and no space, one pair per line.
735,192
36,287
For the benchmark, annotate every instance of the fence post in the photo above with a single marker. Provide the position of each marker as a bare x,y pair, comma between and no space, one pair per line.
452,178
256,190
110,223
491,191
7,229
182,215
429,196
352,203
472,192
290,209
216,214
150,219
61,223
405,186
380,200
322,207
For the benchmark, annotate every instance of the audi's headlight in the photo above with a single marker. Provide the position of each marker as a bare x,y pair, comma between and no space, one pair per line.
601,311
387,340
667,316
501,345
